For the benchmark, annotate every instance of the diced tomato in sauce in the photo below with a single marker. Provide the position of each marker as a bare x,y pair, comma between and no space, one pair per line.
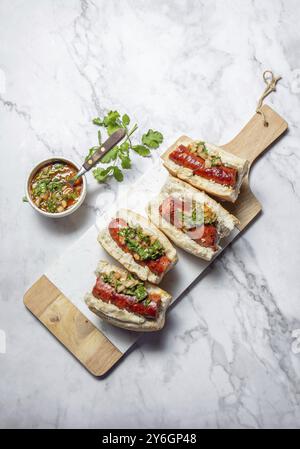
220,174
157,266
205,235
108,294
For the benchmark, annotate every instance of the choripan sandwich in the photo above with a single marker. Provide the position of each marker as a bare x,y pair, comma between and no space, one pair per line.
190,218
206,167
123,300
138,245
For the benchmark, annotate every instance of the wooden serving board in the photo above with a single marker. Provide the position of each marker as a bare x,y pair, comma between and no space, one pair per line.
71,327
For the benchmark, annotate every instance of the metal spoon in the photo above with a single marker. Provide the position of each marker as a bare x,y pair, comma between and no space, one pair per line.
96,157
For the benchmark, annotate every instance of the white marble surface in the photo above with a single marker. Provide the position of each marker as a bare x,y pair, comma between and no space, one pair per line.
183,67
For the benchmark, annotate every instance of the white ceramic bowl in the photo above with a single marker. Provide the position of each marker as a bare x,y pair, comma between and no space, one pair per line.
67,211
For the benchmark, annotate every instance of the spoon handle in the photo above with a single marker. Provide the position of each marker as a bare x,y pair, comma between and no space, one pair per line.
112,141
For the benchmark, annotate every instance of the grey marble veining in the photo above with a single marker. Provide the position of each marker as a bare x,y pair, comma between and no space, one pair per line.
184,67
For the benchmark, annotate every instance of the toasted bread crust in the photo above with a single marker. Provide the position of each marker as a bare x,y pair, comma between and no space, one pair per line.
126,259
223,192
177,188
122,318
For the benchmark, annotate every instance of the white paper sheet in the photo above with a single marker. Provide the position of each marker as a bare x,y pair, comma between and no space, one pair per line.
75,280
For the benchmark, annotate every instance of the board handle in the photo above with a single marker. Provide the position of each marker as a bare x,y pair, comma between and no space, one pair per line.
255,138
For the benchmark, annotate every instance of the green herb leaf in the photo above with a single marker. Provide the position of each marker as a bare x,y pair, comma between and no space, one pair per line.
141,150
25,199
41,187
97,121
152,138
55,186
57,167
216,160
125,161
111,155
124,155
113,121
140,243
112,118
125,120
140,292
99,138
124,148
101,174
91,152
51,205
118,174
113,128
201,146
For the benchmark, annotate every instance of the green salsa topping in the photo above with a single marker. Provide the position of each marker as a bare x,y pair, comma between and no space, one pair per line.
147,247
127,285
200,214
51,190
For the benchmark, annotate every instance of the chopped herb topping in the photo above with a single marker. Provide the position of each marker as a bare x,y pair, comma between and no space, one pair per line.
198,215
145,246
128,285
211,158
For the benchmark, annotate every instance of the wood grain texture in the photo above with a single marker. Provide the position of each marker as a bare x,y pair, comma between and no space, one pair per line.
74,330
71,327
249,144
255,138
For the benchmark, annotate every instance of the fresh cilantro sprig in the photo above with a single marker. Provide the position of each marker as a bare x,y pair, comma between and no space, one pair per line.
119,156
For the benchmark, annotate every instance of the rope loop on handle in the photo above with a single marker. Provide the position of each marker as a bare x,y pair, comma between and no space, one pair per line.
271,81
